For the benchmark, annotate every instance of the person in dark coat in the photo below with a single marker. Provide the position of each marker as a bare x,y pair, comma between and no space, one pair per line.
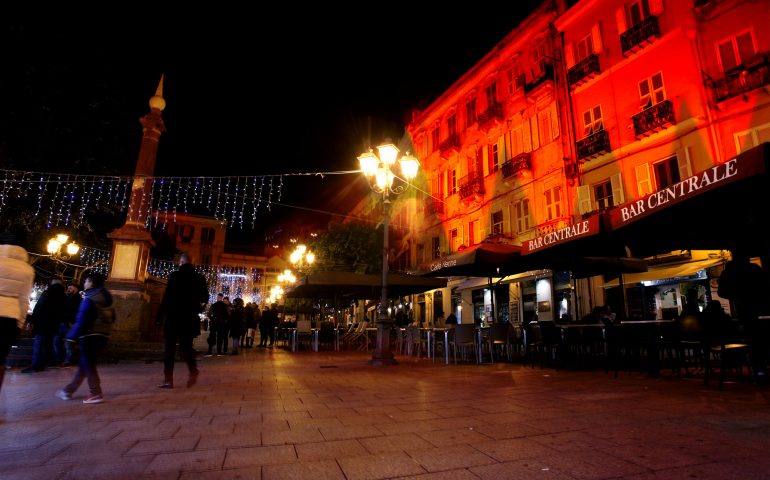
747,284
47,315
62,348
236,324
185,297
92,327
218,317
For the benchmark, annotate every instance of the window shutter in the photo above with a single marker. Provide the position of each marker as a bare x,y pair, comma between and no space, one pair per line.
554,121
656,7
596,39
533,130
501,151
643,179
461,235
683,162
508,147
506,219
486,168
569,55
527,136
620,17
584,199
618,197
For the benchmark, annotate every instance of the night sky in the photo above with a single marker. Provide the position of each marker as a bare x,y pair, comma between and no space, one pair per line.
247,93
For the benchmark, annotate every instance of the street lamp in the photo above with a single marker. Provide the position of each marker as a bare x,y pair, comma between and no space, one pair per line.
55,245
301,257
379,171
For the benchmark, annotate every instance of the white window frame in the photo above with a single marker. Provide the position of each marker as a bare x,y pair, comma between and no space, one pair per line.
584,48
654,95
592,120
553,200
523,215
498,228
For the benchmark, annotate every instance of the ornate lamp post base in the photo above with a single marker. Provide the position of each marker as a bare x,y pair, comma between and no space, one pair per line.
382,355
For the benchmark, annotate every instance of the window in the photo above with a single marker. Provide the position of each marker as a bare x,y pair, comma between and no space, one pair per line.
651,91
517,141
515,78
435,248
420,253
186,233
736,50
455,241
205,260
207,236
470,112
666,173
491,92
434,141
497,222
494,158
451,125
592,120
539,58
603,194
553,203
752,137
638,11
546,134
523,221
583,48
452,181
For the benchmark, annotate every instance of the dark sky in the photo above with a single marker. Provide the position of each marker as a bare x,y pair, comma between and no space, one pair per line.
248,93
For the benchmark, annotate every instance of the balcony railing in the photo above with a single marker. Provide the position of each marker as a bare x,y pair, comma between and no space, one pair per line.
471,185
452,143
545,75
593,145
494,111
519,163
640,35
583,71
751,75
654,119
552,225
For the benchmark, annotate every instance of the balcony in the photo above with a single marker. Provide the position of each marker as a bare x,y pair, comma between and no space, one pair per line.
450,145
593,145
583,71
494,113
747,77
640,35
471,185
520,163
545,75
436,206
654,119
552,225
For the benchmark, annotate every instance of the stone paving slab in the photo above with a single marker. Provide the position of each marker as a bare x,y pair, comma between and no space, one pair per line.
273,414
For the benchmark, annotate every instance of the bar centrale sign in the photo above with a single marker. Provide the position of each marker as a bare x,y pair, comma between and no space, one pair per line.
581,229
714,177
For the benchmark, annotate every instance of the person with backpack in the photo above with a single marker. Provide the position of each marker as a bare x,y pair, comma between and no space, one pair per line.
91,330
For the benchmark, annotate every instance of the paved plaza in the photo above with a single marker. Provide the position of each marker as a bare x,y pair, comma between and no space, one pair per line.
269,414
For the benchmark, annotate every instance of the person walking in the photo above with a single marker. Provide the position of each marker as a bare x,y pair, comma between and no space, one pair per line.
185,297
217,316
47,315
91,330
236,324
16,278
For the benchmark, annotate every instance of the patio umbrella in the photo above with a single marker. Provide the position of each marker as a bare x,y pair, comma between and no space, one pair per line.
483,260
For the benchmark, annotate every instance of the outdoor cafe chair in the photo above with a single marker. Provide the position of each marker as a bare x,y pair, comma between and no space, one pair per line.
464,337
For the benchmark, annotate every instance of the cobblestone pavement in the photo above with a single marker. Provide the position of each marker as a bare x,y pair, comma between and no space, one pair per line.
267,414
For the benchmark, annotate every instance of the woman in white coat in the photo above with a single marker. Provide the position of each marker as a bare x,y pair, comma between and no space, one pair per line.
16,277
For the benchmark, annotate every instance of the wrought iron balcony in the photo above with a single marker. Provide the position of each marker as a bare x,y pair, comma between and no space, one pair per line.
451,144
749,76
493,112
552,225
517,164
640,35
545,75
583,71
593,145
654,119
471,185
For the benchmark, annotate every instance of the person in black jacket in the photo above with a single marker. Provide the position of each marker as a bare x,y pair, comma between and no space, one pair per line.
47,315
186,296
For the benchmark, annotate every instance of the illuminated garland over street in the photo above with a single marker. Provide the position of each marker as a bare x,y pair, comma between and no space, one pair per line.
60,197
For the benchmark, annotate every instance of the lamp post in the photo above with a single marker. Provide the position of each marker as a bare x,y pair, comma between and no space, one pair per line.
379,171
60,251
301,257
